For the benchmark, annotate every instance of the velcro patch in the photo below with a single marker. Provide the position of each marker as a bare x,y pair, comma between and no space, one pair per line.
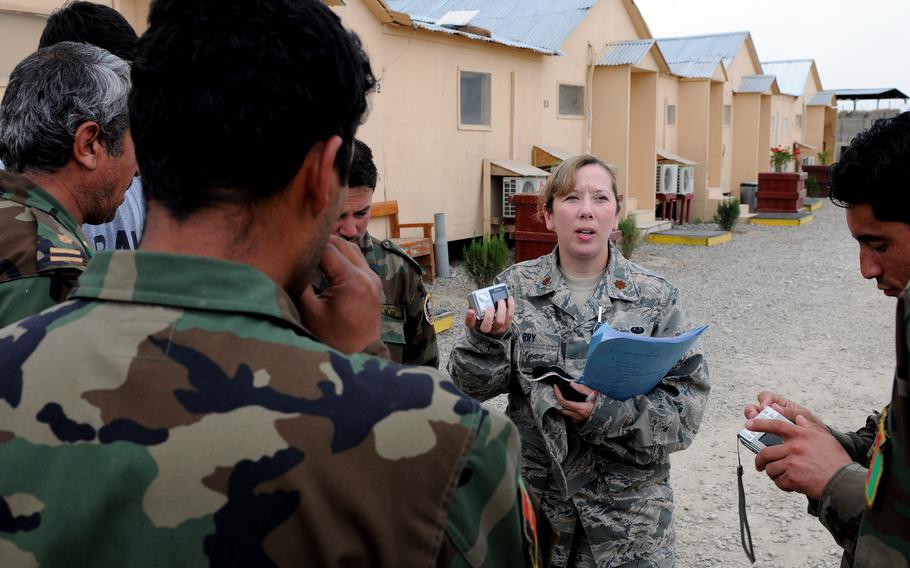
393,311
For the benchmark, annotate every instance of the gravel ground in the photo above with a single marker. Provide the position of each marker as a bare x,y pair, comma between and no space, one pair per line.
790,312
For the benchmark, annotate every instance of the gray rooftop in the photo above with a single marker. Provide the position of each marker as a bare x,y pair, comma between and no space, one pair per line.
821,98
702,47
791,75
629,52
755,84
859,94
539,25
700,68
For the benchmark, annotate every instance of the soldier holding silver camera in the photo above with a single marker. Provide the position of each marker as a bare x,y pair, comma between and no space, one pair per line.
600,466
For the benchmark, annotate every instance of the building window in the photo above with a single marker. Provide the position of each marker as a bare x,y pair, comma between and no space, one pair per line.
728,115
474,93
799,122
786,126
671,115
571,100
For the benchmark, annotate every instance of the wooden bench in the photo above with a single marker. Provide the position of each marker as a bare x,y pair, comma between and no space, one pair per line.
419,248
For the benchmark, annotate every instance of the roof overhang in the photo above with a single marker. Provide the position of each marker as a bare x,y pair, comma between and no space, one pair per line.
548,156
515,168
807,146
757,84
638,21
664,156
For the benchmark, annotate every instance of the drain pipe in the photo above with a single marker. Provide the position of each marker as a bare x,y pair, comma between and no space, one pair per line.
442,246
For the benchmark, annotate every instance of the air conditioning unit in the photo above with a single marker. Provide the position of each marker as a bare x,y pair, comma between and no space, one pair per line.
809,160
513,185
667,175
686,180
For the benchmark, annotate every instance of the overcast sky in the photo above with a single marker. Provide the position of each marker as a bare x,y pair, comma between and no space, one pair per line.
855,44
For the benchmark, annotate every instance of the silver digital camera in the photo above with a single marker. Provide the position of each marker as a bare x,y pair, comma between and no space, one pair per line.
756,441
480,300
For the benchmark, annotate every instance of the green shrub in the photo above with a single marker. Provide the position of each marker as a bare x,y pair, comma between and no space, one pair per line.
485,258
812,187
823,157
631,236
727,214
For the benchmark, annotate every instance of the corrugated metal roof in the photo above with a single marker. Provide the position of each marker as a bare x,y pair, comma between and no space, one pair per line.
701,68
492,39
868,93
555,151
754,84
542,25
702,47
791,75
520,168
670,156
626,52
822,98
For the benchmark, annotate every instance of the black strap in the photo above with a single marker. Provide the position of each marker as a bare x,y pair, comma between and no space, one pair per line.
745,535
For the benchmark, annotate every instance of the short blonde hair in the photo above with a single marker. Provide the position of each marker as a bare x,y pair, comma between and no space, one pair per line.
562,181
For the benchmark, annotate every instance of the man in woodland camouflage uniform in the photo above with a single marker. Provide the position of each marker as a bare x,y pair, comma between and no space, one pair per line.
176,412
407,313
65,141
858,483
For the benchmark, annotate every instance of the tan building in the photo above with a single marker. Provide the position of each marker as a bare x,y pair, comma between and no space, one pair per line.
697,109
798,116
752,133
22,21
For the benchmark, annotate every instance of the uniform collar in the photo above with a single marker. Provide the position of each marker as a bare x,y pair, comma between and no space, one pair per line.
617,278
183,281
18,189
366,243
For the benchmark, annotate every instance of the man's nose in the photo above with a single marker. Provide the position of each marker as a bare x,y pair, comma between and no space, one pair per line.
868,265
345,228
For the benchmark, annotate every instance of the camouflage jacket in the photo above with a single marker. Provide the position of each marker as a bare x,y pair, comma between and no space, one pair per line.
611,472
841,505
175,413
42,249
407,312
884,535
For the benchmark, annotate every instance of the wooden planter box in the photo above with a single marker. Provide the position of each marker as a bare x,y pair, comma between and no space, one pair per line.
822,175
781,192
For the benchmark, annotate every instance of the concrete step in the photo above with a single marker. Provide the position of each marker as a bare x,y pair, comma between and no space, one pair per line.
655,226
744,212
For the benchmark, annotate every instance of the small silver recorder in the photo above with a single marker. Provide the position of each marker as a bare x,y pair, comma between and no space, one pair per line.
480,300
756,441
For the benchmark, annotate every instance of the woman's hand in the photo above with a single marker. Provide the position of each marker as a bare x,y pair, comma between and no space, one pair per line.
494,323
577,412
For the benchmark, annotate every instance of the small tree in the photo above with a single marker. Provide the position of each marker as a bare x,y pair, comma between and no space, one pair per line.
812,187
631,236
727,214
486,257
823,157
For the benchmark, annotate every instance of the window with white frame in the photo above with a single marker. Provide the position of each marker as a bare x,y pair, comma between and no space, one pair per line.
474,92
799,122
671,115
571,100
728,115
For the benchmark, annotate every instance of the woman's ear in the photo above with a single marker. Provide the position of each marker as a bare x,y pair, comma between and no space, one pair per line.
548,219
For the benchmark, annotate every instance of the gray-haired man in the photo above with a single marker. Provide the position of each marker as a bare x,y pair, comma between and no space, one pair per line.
64,139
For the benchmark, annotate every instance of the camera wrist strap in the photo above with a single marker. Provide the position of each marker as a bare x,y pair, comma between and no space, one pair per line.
745,534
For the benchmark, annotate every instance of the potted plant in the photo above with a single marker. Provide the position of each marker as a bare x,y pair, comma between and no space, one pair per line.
779,191
820,172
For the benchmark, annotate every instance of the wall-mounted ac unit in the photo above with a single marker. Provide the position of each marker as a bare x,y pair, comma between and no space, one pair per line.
686,180
513,185
808,160
667,175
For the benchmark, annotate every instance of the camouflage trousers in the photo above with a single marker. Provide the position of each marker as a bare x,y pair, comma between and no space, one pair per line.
634,530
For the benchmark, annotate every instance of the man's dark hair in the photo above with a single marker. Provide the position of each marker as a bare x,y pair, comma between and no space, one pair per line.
86,22
363,170
875,170
230,95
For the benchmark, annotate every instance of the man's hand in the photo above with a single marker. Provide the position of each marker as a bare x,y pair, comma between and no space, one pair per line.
346,315
806,460
783,406
494,323
577,412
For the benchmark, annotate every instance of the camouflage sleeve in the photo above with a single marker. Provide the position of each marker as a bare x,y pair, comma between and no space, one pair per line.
419,334
28,296
842,504
481,366
492,521
858,444
646,428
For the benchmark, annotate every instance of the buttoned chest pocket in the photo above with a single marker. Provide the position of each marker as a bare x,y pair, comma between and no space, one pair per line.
539,349
393,324
634,322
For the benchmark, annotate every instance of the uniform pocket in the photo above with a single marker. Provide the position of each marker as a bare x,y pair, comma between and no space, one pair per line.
393,324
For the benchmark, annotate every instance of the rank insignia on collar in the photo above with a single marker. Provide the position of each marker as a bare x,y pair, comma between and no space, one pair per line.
546,281
877,463
65,239
620,285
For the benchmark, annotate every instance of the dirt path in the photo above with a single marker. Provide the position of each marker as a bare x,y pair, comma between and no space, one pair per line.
788,311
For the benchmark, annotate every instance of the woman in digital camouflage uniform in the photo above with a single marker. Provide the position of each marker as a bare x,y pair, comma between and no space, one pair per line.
600,466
